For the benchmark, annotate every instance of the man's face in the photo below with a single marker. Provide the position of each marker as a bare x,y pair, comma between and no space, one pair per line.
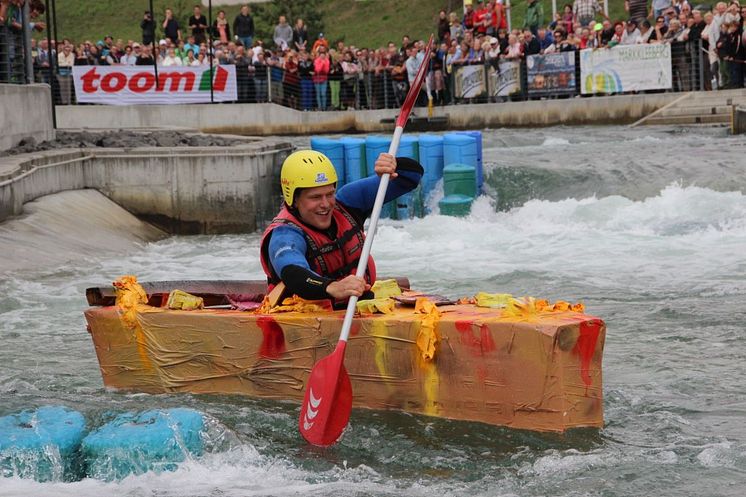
315,205
197,11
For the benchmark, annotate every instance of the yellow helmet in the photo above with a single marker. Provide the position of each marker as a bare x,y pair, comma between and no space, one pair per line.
305,169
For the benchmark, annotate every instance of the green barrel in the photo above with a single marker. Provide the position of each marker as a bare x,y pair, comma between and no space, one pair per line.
455,205
460,179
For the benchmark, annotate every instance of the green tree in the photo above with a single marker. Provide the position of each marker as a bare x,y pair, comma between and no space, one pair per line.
266,16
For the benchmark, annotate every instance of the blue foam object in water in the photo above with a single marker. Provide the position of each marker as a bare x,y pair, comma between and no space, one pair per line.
41,444
335,151
132,443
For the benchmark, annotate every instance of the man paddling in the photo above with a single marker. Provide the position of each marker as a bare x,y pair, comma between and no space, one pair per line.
314,244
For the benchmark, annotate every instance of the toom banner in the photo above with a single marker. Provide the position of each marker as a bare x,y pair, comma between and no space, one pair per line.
551,74
505,80
469,82
625,68
128,85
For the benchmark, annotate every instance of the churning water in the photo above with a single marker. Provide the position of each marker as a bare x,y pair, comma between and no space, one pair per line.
648,228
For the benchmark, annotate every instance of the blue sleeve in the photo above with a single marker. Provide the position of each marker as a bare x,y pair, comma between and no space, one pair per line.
287,246
361,194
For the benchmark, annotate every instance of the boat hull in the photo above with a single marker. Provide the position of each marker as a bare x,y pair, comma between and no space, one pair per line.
540,372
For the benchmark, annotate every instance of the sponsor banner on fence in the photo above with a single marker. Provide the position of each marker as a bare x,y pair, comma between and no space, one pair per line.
469,82
506,79
127,85
625,68
551,74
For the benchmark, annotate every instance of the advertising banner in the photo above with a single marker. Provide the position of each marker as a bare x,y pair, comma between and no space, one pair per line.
506,79
130,85
625,68
469,81
551,74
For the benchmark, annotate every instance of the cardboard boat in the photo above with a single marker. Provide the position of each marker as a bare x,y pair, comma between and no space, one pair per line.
535,370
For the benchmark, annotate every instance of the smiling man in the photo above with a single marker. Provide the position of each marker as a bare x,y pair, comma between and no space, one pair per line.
314,244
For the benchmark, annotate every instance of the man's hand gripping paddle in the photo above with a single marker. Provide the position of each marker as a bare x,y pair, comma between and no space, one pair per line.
328,401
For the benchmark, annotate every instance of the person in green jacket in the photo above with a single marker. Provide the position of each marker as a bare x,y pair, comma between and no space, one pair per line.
534,16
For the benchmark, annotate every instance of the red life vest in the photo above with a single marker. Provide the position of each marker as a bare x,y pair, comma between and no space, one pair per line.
332,258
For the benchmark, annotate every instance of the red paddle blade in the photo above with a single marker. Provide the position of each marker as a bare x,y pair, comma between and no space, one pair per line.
414,89
328,401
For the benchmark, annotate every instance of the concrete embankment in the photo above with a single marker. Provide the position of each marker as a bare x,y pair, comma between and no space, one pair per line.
25,112
272,119
68,226
186,190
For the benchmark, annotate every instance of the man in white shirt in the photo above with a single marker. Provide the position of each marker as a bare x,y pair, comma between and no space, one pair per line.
130,57
631,35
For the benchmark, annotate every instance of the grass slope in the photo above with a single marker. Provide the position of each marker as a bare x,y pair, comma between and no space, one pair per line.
360,22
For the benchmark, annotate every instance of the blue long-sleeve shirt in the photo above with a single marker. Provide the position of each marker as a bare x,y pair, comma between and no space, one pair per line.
287,244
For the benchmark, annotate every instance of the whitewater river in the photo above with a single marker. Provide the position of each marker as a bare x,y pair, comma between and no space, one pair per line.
647,227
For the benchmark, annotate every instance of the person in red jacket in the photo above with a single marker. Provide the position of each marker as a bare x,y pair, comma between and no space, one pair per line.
320,76
315,242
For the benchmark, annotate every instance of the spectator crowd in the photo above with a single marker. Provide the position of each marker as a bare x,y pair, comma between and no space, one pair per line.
310,72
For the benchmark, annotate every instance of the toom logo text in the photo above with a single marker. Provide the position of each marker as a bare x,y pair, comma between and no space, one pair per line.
132,85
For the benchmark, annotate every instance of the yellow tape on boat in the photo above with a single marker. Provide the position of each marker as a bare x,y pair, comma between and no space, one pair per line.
372,306
428,337
385,288
484,299
129,295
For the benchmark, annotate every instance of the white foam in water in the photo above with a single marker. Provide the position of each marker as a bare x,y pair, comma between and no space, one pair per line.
717,455
553,141
684,237
684,234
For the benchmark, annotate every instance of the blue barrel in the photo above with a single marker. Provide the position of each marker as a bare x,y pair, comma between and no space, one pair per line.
409,147
410,204
480,169
30,440
455,205
134,443
374,146
431,158
334,149
459,179
355,163
460,148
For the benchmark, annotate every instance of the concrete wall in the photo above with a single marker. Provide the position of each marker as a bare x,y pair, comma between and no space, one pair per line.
272,119
738,121
185,190
25,111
